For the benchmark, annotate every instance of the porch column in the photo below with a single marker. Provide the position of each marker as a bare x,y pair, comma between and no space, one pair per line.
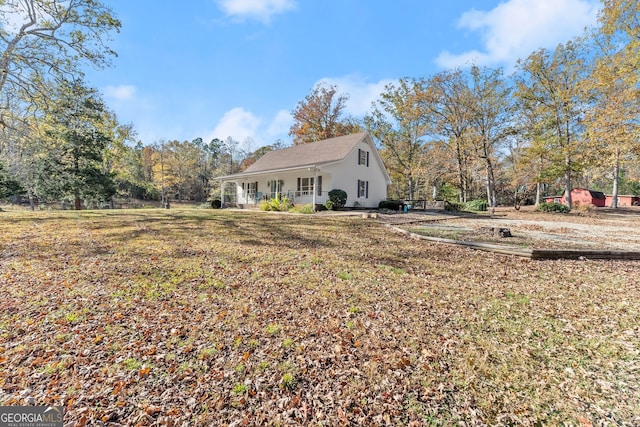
222,194
315,183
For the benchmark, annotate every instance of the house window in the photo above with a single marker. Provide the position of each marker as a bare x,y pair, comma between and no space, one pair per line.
363,189
305,186
363,157
252,188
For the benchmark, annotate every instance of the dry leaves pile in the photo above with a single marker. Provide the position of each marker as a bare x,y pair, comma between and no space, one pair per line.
189,317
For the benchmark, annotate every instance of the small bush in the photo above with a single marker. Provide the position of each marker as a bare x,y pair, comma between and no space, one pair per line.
338,199
552,207
216,204
392,205
584,208
476,206
304,209
453,206
277,204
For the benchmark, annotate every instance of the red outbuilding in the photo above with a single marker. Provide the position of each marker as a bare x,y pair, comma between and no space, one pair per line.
624,201
581,196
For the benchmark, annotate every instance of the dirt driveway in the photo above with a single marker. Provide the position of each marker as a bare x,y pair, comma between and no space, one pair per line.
600,228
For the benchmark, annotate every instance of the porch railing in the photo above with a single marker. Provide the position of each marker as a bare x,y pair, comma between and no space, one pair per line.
297,197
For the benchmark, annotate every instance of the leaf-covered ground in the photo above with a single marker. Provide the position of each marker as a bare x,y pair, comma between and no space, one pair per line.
195,317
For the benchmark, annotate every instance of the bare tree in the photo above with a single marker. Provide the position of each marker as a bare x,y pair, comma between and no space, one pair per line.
41,40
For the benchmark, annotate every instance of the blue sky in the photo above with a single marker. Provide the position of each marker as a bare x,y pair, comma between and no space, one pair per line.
220,68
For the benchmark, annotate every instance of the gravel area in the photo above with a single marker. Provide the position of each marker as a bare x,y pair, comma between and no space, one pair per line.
604,229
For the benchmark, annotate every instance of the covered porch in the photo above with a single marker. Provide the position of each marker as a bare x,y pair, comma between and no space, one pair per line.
300,186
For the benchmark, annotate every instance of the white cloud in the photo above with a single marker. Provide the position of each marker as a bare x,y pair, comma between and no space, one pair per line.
361,93
243,126
238,124
516,28
279,126
261,10
120,93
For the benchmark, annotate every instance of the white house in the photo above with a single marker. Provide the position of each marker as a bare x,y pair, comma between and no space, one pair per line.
306,173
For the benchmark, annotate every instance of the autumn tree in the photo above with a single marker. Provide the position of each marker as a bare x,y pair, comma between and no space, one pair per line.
490,121
620,22
320,116
529,156
446,104
44,40
398,123
612,122
549,83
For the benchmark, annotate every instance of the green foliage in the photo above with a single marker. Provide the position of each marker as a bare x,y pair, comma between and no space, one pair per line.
304,209
553,207
8,185
288,381
338,199
449,192
276,204
71,165
239,389
476,206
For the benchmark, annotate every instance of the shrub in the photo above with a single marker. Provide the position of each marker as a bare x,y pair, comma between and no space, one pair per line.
277,204
393,205
338,198
304,209
453,206
216,204
552,207
584,208
476,206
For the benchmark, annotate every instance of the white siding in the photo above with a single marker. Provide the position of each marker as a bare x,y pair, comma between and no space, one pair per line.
347,173
343,175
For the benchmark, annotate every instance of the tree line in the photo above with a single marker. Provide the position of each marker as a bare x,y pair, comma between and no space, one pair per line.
565,117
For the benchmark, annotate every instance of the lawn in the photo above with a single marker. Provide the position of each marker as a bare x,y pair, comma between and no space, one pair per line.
200,317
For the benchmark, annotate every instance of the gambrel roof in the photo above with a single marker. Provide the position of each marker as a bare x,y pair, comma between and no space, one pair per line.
312,153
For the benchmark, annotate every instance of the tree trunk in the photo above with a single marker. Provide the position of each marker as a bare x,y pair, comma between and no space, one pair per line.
538,191
616,173
567,188
77,201
491,185
32,204
410,186
461,178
